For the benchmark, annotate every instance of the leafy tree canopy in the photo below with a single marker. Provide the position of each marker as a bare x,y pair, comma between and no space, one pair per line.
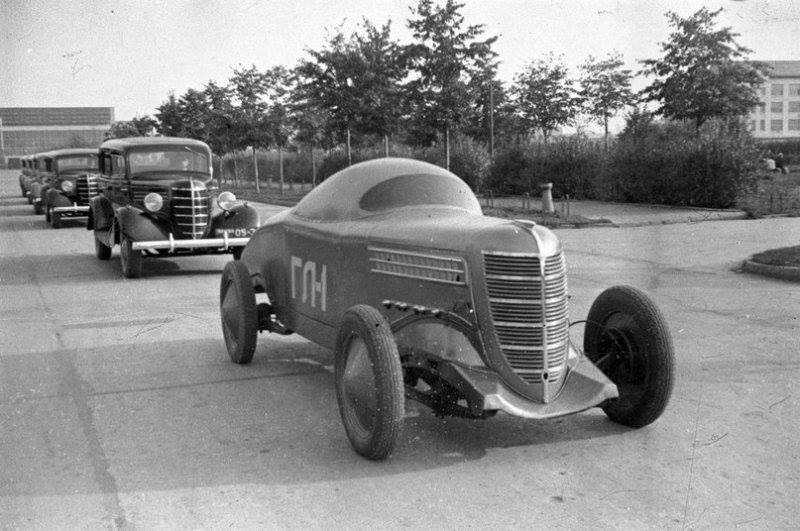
704,73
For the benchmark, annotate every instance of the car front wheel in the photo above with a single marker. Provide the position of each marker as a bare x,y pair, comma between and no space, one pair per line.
130,260
627,338
237,308
369,382
55,219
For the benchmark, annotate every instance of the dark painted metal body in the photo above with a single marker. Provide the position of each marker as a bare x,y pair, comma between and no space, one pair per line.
409,238
188,221
72,199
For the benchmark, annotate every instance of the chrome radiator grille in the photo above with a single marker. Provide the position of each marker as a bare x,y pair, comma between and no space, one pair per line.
86,187
190,209
528,305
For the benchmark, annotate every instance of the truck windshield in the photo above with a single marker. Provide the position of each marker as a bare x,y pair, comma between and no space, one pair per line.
167,160
82,162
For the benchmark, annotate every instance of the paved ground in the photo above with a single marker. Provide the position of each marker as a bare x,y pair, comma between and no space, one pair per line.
119,408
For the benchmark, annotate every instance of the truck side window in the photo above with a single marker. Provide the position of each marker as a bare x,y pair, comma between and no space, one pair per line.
117,165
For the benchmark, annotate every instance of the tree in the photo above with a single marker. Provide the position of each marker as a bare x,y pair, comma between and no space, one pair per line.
168,118
327,82
138,126
605,88
445,57
704,73
544,97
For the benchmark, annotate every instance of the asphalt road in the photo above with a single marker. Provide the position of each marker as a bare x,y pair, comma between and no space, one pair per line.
119,407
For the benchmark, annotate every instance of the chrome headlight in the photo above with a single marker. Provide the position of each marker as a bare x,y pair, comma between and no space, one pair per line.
153,202
226,200
67,186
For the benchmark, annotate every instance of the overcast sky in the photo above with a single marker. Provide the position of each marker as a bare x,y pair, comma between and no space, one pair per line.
130,54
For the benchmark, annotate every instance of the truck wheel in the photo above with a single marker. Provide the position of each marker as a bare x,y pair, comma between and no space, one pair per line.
131,260
55,219
627,338
38,208
237,253
47,214
237,308
101,250
369,382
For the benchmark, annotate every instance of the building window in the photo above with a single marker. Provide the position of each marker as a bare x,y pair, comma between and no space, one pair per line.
776,107
794,106
777,89
794,124
752,126
794,89
762,125
762,107
776,126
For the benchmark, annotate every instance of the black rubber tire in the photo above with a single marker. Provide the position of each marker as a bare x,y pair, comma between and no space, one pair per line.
30,198
55,219
38,208
627,337
130,260
101,250
237,253
47,214
238,313
375,434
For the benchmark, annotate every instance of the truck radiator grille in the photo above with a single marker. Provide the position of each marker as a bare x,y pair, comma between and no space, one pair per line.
190,209
528,305
86,187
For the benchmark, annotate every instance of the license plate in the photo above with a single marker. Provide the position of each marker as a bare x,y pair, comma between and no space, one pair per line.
235,233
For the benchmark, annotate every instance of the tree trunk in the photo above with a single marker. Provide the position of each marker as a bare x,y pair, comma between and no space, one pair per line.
349,157
447,147
255,171
280,166
386,144
605,124
313,168
235,172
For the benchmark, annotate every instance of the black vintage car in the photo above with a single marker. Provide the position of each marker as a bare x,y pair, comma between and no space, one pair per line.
26,172
69,185
155,199
42,166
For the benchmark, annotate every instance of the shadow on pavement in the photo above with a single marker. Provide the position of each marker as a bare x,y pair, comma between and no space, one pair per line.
178,414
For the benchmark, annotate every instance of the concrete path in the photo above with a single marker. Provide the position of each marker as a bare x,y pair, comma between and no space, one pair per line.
629,214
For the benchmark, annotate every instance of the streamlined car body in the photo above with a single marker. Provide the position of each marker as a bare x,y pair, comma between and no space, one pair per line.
392,265
155,199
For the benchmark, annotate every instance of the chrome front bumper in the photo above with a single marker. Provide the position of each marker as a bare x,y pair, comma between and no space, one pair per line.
74,209
205,243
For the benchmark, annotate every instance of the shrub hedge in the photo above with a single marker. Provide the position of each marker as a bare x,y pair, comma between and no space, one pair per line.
663,163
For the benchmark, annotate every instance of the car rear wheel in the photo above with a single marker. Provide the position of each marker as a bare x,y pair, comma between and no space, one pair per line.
369,382
130,260
101,250
628,339
237,308
47,214
55,219
38,208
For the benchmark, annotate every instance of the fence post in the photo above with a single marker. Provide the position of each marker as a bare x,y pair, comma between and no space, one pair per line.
547,197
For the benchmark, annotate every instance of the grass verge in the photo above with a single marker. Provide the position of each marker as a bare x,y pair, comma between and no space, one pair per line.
783,256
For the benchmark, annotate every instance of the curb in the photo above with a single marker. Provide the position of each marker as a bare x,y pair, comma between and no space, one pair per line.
782,272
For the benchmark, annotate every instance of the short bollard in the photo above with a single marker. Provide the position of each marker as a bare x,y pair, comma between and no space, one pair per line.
547,197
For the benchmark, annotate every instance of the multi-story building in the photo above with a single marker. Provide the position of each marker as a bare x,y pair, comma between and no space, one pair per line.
777,115
27,130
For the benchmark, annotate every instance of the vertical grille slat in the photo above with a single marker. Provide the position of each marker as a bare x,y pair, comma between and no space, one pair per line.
86,188
528,306
190,210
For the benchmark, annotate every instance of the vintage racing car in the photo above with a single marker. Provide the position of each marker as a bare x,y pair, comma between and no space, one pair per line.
391,264
155,200
69,185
